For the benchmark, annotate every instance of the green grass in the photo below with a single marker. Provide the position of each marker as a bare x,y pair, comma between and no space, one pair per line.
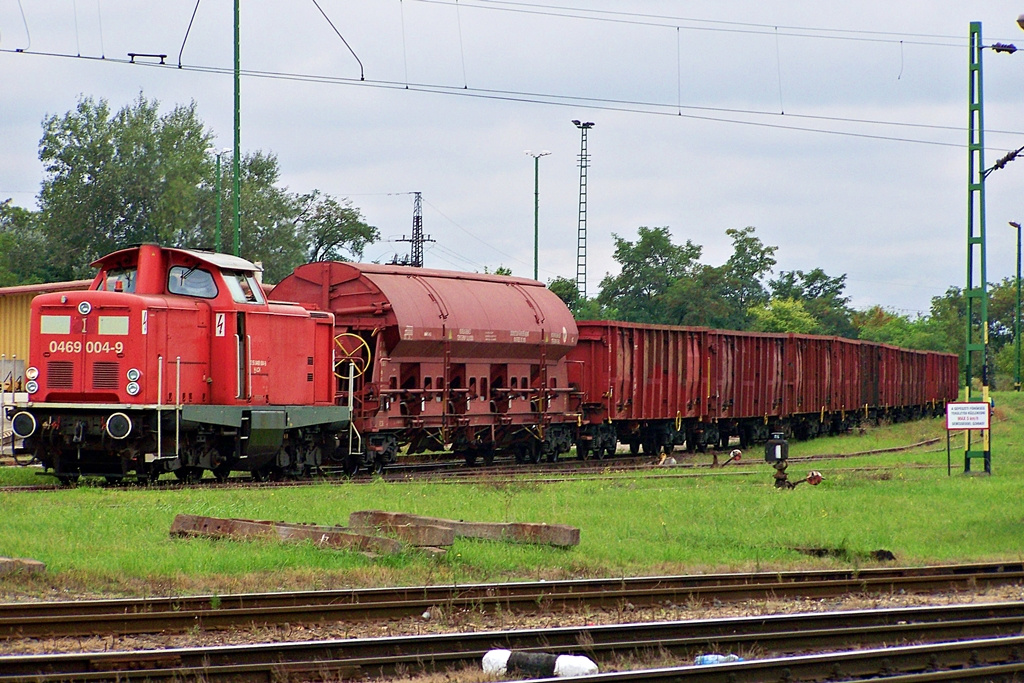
115,540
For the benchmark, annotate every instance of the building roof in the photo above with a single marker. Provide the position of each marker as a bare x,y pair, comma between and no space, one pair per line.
42,288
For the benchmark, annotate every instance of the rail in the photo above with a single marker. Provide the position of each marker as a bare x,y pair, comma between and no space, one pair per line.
986,635
180,614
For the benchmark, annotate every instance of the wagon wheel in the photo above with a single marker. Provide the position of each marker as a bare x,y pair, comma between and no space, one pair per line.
359,357
582,450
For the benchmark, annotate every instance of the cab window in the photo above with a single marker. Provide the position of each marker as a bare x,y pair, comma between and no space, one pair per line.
191,282
119,280
244,288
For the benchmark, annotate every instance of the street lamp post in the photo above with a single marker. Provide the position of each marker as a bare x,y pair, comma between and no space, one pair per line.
216,232
536,205
1016,322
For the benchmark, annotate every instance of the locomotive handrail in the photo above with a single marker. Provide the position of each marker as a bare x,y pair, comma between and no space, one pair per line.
177,406
352,423
159,403
248,365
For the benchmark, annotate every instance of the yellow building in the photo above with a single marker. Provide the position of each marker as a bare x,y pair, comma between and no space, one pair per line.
15,311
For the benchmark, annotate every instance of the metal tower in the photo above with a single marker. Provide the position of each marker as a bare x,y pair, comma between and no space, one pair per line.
976,293
416,256
581,233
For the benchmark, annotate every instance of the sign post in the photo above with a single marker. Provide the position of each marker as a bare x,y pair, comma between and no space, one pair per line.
970,416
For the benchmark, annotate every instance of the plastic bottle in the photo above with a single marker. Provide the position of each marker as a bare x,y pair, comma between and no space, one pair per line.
702,660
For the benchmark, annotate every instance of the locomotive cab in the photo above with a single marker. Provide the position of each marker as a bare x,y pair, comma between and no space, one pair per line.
174,360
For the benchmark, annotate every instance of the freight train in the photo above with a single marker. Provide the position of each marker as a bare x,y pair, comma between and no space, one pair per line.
177,360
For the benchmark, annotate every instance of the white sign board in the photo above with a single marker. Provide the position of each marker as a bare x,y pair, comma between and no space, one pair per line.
967,415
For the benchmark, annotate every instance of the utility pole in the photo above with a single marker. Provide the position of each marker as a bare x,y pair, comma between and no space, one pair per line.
581,232
976,294
417,239
1016,320
536,206
238,138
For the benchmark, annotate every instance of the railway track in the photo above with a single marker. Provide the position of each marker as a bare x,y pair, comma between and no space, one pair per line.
565,469
181,614
948,641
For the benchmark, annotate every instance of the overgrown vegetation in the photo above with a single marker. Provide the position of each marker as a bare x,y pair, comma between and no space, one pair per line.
115,540
135,175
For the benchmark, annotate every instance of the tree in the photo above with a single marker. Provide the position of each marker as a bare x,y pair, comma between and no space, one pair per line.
565,289
117,180
138,176
500,270
22,247
751,260
822,297
783,315
881,325
702,299
649,267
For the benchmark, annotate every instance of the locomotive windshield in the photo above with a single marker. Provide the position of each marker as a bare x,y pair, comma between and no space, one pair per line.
191,282
119,280
243,287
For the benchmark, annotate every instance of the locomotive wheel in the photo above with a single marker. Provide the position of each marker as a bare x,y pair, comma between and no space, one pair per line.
523,453
609,451
488,453
378,463
351,464
552,455
470,455
222,471
189,475
634,447
582,451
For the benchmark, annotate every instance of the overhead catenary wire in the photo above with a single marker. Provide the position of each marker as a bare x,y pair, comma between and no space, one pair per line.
74,12
713,25
187,31
362,72
601,104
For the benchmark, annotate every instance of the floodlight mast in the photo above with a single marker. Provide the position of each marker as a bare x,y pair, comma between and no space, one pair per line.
581,233
536,205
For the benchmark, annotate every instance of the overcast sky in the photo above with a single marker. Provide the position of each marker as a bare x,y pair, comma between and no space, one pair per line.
838,130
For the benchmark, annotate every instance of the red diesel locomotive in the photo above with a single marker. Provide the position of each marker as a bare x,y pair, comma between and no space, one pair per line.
174,361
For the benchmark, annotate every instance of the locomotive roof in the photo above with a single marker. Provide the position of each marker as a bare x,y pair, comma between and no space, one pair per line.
223,261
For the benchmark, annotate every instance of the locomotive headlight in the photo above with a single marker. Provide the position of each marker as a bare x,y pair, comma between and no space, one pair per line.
32,373
32,387
134,375
23,424
119,426
84,308
133,388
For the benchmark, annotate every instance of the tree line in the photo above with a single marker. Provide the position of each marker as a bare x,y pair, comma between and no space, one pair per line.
662,282
112,179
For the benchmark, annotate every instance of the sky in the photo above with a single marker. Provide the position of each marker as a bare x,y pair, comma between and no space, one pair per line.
837,130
